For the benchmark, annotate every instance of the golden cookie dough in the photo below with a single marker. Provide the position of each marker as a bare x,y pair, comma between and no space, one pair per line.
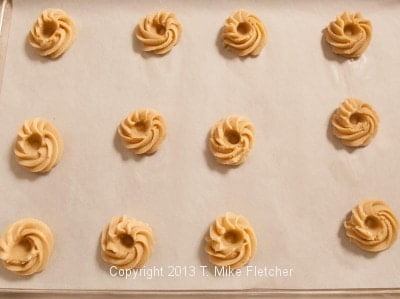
159,32
53,33
349,35
126,242
39,145
143,131
231,140
372,226
355,123
231,241
244,33
25,246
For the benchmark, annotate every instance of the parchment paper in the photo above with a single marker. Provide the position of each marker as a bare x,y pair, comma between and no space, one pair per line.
296,188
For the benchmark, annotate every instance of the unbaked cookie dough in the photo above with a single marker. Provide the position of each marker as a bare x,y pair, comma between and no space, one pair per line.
143,131
126,242
39,145
231,140
159,32
349,35
25,246
355,123
53,33
244,33
231,241
372,226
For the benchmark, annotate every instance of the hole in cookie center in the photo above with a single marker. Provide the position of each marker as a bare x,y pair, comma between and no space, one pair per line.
351,29
49,28
141,126
21,249
232,136
127,240
34,141
233,236
160,29
243,28
372,222
355,118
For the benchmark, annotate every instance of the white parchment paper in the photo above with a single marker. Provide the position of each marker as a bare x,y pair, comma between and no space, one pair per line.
296,187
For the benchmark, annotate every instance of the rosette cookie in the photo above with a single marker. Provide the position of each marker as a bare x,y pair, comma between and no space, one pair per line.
231,241
231,140
372,226
39,145
349,35
143,131
53,33
355,123
26,246
244,33
126,242
159,32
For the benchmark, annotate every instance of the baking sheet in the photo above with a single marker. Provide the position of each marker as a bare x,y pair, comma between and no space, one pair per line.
296,187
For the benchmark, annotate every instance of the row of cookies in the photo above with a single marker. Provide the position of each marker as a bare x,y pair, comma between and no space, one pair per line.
39,144
244,33
127,243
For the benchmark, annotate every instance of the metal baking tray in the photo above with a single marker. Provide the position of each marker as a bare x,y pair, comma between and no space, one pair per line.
5,21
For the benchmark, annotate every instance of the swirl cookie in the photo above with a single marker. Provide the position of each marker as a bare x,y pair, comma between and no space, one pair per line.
231,140
159,32
372,226
143,131
39,145
231,241
53,33
355,123
26,246
244,34
349,35
126,242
